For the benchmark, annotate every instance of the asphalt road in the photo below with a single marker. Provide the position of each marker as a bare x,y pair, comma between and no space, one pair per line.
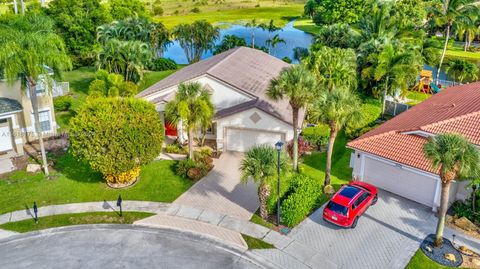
118,246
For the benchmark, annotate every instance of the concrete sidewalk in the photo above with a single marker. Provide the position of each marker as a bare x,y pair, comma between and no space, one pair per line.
105,206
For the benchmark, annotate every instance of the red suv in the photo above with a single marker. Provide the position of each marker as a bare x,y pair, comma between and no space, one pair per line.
349,203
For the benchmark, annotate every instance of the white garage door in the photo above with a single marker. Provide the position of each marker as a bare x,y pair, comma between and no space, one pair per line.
5,138
242,140
400,181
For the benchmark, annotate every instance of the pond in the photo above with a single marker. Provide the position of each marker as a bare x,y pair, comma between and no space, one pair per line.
292,36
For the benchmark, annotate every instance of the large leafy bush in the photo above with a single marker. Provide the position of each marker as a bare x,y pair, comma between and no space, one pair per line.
316,135
302,197
116,136
62,103
370,110
162,64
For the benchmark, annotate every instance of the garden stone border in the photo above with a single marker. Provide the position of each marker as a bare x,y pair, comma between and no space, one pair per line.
437,254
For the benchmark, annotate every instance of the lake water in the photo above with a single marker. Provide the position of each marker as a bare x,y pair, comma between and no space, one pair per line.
292,36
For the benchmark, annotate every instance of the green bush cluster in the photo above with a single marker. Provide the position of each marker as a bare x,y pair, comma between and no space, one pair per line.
116,135
316,135
301,198
176,148
465,209
371,110
197,168
162,64
62,103
111,85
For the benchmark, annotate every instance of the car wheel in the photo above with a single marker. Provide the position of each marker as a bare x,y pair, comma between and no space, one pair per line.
354,224
375,199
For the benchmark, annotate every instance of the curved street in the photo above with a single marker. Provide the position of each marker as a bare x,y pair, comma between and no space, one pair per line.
119,246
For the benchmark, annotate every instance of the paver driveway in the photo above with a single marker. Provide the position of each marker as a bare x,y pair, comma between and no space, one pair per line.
221,190
386,236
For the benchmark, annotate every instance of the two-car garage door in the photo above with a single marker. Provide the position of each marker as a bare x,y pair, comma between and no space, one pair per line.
401,181
243,139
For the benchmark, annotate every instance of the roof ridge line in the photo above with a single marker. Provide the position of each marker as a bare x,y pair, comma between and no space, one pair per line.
373,137
234,50
450,120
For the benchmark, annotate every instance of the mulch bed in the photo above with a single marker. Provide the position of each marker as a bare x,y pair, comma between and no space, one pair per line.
437,254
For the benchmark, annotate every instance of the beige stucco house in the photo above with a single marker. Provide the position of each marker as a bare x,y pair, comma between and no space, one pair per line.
238,80
16,116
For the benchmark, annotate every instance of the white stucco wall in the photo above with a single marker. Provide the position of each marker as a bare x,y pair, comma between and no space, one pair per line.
223,96
242,120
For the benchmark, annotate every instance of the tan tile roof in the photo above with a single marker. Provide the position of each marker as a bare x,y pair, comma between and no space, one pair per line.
249,70
454,110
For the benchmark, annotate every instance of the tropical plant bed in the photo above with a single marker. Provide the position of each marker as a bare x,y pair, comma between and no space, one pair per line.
463,225
446,254
74,219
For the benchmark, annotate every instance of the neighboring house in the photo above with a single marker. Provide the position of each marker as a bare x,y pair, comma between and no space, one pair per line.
238,80
391,156
16,116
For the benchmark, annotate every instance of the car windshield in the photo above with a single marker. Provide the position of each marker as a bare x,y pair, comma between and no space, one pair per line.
340,209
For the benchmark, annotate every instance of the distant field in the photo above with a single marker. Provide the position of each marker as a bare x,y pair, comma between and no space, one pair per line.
280,14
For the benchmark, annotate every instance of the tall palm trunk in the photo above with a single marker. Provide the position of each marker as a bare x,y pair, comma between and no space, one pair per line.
15,7
442,212
33,98
263,194
253,38
22,6
443,53
190,142
331,141
42,3
295,138
384,98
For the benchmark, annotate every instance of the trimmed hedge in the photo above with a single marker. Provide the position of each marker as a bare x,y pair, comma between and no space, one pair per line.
317,135
371,110
62,103
162,64
302,197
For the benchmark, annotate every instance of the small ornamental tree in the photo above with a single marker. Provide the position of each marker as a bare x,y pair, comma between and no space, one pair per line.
116,136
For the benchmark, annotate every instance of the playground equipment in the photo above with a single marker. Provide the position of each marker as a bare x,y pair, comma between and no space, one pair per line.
426,84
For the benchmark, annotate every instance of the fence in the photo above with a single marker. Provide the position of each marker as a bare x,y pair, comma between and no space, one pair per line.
393,108
60,88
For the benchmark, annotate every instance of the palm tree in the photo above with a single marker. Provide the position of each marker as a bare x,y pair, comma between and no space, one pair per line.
333,67
260,163
396,68
300,53
196,38
274,41
193,106
270,28
127,58
253,25
467,28
448,13
229,42
456,159
336,109
310,8
29,46
297,85
461,69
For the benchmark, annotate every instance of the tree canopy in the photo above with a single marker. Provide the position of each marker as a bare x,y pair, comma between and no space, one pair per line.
196,38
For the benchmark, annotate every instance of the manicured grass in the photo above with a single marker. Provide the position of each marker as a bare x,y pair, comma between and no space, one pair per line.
417,97
254,243
307,25
151,78
420,261
74,219
459,52
258,220
281,13
314,164
75,182
79,80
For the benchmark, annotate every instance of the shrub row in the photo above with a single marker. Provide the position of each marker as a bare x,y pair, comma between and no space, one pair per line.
301,198
62,103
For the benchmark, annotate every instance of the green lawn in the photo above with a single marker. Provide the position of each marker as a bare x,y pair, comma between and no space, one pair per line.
151,78
258,220
459,52
417,97
420,261
281,14
254,243
74,219
74,182
307,26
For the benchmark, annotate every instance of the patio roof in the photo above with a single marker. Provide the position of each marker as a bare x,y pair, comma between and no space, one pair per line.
9,105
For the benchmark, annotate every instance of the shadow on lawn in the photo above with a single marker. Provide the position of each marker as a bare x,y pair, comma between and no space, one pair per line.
75,169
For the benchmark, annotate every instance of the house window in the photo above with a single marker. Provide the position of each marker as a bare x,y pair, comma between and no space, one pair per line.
211,129
44,119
